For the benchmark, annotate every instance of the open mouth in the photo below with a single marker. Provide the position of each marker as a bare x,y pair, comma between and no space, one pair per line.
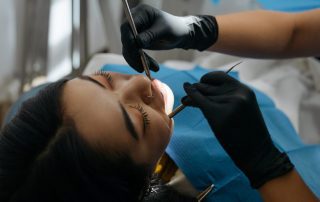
167,94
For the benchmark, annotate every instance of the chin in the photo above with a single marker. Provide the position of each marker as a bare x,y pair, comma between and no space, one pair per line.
168,97
169,101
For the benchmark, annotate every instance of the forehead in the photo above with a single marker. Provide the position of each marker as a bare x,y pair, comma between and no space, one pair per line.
96,113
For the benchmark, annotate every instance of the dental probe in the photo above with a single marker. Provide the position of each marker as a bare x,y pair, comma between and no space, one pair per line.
181,106
204,193
135,33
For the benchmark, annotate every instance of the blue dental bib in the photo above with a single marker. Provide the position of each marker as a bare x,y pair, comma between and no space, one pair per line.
196,151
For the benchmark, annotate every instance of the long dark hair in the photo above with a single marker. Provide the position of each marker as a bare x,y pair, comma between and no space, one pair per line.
43,158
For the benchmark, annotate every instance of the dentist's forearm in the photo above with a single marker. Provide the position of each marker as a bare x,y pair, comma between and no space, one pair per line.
287,188
268,34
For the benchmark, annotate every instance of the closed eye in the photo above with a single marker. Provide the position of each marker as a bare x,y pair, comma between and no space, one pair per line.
144,114
105,74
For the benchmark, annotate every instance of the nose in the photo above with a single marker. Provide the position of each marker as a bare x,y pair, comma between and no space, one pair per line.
138,87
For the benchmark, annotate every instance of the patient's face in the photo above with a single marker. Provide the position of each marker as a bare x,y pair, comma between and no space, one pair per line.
115,111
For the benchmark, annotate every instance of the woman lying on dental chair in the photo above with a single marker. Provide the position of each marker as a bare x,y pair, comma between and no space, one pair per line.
99,137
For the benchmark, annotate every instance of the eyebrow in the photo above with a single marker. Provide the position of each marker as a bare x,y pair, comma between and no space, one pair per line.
127,120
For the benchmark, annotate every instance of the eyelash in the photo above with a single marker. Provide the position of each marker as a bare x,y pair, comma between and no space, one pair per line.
107,75
146,120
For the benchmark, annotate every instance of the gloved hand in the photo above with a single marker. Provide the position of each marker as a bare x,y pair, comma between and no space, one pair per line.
159,30
233,114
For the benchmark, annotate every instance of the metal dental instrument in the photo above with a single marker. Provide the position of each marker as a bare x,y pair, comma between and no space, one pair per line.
176,110
203,194
231,68
135,33
181,106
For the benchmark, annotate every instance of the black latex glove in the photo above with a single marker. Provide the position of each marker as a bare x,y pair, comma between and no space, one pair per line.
231,109
159,30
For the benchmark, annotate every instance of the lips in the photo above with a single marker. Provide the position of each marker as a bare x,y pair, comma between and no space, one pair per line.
166,93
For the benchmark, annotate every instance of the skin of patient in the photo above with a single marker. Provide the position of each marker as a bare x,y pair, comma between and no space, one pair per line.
101,106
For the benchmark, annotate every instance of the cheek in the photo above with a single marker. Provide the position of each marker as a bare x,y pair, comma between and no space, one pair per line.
152,145
160,135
